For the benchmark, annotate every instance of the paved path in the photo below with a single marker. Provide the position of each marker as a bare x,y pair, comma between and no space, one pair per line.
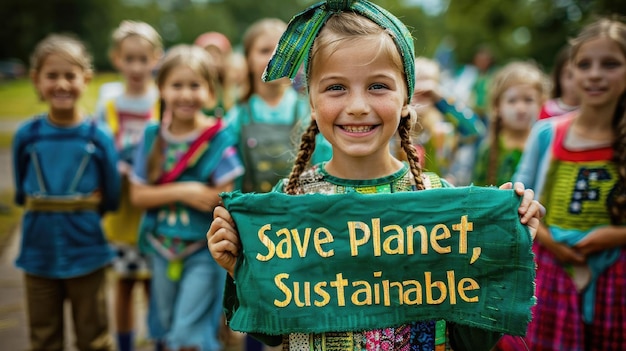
6,175
10,125
13,331
13,323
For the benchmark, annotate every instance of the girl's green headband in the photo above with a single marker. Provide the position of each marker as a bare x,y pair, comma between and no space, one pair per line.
295,44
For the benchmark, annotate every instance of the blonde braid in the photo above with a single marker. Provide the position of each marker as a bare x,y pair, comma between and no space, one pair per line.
307,146
404,131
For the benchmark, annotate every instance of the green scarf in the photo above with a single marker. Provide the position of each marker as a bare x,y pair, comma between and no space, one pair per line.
296,42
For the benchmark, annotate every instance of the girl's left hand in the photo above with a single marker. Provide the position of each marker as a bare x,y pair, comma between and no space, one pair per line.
602,238
530,210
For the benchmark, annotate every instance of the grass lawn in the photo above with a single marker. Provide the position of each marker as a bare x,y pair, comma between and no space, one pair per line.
5,140
18,98
9,220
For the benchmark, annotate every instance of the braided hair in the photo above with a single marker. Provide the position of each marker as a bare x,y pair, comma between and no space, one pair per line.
350,26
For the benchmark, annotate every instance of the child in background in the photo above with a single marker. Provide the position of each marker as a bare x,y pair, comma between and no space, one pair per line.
516,94
358,102
471,84
180,168
135,52
66,178
218,46
445,126
267,119
237,75
563,98
577,164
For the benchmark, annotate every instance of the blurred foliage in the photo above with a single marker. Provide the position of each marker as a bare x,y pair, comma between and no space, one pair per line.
528,29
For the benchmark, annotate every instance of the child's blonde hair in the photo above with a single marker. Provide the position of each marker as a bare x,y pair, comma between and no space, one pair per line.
615,30
340,28
426,68
67,46
516,73
512,74
194,57
199,61
256,30
128,29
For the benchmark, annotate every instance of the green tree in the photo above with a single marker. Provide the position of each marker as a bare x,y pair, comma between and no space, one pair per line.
26,22
514,28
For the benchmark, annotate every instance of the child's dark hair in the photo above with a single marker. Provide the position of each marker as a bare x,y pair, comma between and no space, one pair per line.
339,28
199,61
615,30
561,60
514,73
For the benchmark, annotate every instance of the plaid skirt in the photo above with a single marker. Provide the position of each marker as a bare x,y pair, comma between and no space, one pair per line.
557,322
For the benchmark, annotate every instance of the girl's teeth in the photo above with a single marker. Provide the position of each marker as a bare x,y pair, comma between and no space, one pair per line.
357,129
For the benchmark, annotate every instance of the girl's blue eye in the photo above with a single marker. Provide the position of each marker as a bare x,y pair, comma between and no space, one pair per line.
378,86
335,87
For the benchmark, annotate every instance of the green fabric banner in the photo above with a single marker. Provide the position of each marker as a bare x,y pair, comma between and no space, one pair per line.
347,262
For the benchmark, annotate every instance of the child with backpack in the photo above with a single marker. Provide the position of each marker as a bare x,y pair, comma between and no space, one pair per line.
66,179
135,52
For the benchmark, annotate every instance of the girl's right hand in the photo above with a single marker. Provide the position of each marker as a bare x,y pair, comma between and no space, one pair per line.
223,240
198,196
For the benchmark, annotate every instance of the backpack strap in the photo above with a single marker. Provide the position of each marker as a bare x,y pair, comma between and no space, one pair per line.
26,152
111,116
27,146
156,111
112,119
90,149
194,149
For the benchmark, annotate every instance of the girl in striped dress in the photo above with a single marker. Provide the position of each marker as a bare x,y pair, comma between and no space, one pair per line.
577,165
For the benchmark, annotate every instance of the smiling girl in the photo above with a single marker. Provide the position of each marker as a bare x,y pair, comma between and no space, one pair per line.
577,165
358,103
516,94
66,179
180,168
